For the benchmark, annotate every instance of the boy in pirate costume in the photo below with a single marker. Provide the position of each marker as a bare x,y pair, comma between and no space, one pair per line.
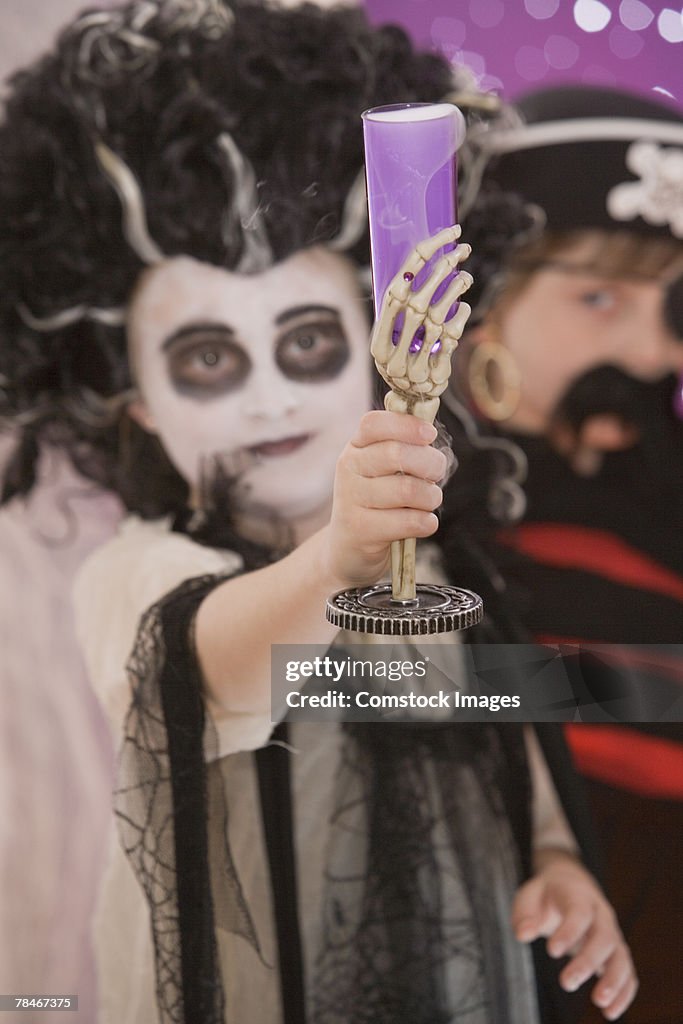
577,360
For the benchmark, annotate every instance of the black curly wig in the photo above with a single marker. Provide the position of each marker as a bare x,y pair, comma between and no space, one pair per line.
159,84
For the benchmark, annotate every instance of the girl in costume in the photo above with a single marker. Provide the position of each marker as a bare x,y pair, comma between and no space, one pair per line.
182,196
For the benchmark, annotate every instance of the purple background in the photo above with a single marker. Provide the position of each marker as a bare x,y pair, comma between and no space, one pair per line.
513,46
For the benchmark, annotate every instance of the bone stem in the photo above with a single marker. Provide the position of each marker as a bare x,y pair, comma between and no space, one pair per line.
403,551
403,570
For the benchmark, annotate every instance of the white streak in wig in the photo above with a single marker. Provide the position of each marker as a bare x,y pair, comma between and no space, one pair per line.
486,113
364,275
354,216
107,46
143,14
29,416
245,215
97,410
66,317
212,18
135,41
128,190
95,18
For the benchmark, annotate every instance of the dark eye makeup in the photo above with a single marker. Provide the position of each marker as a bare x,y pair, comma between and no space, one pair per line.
315,348
205,360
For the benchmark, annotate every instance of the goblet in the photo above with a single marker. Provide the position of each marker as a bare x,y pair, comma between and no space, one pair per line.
410,152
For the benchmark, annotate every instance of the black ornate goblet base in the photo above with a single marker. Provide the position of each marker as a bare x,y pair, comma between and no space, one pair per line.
436,609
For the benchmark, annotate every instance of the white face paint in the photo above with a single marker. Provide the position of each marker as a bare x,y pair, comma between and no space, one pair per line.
270,370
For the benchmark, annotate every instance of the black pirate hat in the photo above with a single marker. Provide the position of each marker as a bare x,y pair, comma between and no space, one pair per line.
593,158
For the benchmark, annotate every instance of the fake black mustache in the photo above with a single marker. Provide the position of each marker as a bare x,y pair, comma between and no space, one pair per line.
608,389
655,463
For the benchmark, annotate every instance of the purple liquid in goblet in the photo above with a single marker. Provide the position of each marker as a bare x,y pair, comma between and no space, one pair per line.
411,175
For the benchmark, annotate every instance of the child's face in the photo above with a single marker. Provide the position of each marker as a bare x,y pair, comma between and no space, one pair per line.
270,372
568,319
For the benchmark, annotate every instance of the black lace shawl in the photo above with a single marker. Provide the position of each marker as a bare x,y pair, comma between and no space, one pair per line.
169,801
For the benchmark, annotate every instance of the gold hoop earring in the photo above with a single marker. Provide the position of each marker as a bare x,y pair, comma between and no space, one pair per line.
494,380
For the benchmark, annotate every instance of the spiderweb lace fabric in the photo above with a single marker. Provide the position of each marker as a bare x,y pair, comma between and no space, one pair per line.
418,871
414,921
162,805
